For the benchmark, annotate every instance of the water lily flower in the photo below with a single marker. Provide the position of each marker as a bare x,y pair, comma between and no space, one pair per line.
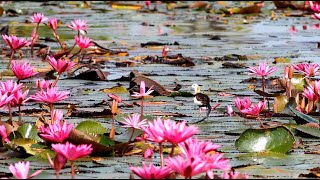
20,97
165,51
21,170
261,70
71,151
234,175
188,167
38,18
229,110
83,42
3,133
148,153
5,99
192,147
10,87
255,109
23,70
53,23
14,42
133,121
155,131
143,92
43,84
151,171
60,65
79,25
308,70
315,6
242,104
178,132
50,95
55,132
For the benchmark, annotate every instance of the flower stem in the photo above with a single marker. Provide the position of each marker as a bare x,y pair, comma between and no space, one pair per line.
10,114
161,154
11,57
57,174
131,135
33,40
58,39
55,82
172,150
142,99
51,107
261,122
75,54
72,170
20,120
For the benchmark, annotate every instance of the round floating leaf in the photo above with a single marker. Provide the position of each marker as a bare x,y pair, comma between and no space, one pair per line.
315,132
29,131
277,139
91,128
116,90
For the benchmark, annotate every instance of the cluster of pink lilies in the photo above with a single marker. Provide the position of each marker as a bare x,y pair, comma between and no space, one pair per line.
196,156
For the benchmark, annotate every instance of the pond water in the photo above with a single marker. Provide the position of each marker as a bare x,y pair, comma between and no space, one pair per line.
260,38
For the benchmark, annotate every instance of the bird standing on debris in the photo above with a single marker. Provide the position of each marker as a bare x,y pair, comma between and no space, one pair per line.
202,100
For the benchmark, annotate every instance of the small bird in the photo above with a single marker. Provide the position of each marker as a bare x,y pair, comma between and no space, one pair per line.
202,100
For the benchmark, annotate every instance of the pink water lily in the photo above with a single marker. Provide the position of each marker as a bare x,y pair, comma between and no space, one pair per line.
83,42
53,23
3,133
56,115
38,18
151,171
234,175
193,147
148,153
56,132
20,97
23,70
133,121
262,70
21,170
255,109
242,104
14,42
50,95
10,87
143,92
310,94
61,65
5,99
79,25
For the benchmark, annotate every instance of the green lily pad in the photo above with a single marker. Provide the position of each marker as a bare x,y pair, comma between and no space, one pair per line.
28,131
91,128
277,139
315,132
181,93
23,146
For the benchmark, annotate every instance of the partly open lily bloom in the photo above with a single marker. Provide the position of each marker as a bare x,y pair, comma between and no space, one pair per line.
133,121
14,42
83,42
234,175
143,92
155,131
255,109
3,133
53,23
60,65
242,104
56,132
79,25
43,84
21,170
311,70
315,6
10,87
23,70
195,148
71,151
151,171
20,97
38,18
50,95
176,132
115,97
261,70
148,153
5,99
